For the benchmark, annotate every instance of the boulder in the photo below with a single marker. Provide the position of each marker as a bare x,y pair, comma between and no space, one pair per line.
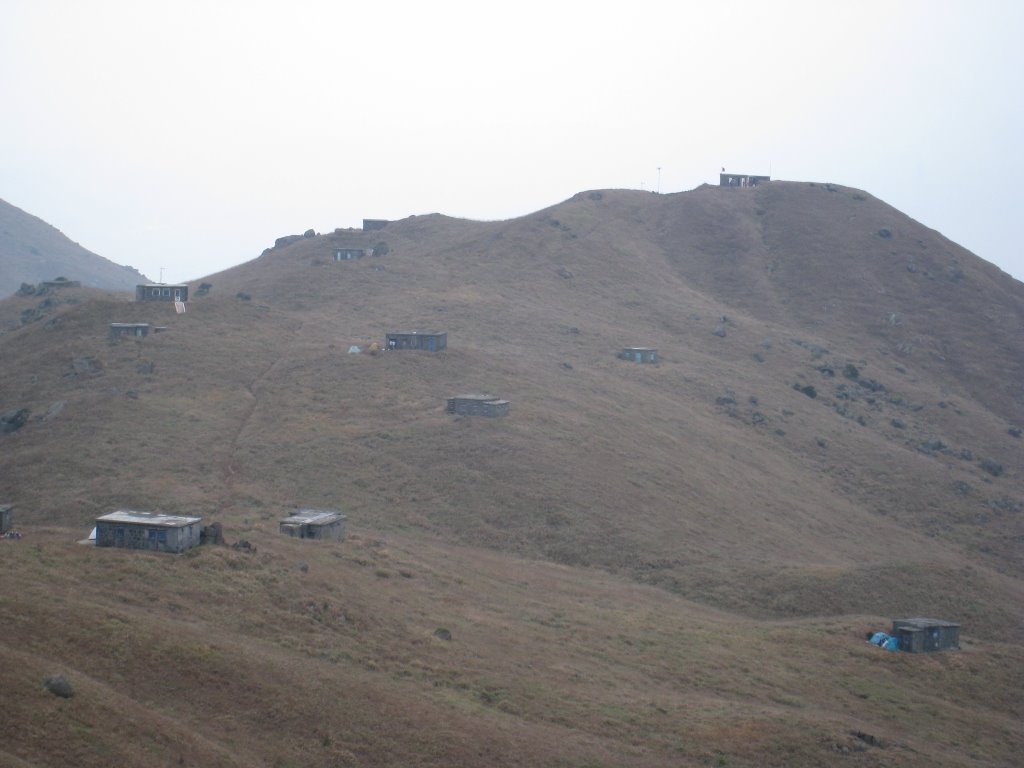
12,421
53,411
87,365
212,534
58,685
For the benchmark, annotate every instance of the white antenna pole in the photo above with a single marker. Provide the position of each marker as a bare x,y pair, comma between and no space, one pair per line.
162,274
659,179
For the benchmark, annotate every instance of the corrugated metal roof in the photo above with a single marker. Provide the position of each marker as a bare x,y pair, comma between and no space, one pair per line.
923,623
313,517
148,518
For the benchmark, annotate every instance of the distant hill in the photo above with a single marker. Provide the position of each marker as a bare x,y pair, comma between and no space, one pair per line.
32,251
640,565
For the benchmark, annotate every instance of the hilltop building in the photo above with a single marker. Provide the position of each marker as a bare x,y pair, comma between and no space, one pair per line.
371,224
432,342
148,530
478,405
314,524
640,354
741,180
128,329
6,512
161,292
920,635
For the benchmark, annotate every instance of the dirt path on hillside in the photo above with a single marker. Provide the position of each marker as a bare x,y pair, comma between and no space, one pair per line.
230,469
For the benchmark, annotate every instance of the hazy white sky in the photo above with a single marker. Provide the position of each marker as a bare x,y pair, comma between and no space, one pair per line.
189,135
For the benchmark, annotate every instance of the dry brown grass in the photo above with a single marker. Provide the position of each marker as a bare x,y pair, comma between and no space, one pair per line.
642,565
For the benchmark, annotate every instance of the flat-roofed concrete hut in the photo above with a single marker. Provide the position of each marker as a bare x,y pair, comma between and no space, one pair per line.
640,354
920,635
128,329
478,405
348,253
62,282
161,292
741,180
6,513
148,530
314,524
432,342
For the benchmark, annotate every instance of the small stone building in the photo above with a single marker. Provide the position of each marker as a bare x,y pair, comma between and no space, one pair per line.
432,342
478,405
314,524
62,282
640,354
161,292
920,635
741,180
349,253
128,329
6,513
370,225
148,530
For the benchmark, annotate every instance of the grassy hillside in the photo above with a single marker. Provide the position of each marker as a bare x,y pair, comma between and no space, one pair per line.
640,565
32,251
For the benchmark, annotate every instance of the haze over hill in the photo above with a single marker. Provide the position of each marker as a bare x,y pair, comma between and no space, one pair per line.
640,565
32,251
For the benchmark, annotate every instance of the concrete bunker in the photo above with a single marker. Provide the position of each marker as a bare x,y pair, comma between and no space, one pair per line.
639,354
432,342
161,292
478,405
118,330
347,253
314,524
922,635
741,180
148,530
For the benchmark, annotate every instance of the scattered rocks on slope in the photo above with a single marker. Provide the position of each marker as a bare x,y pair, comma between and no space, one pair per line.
992,466
58,685
12,421
53,411
807,389
211,534
87,366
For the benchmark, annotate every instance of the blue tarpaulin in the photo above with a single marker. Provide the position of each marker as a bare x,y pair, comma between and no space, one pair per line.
883,640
